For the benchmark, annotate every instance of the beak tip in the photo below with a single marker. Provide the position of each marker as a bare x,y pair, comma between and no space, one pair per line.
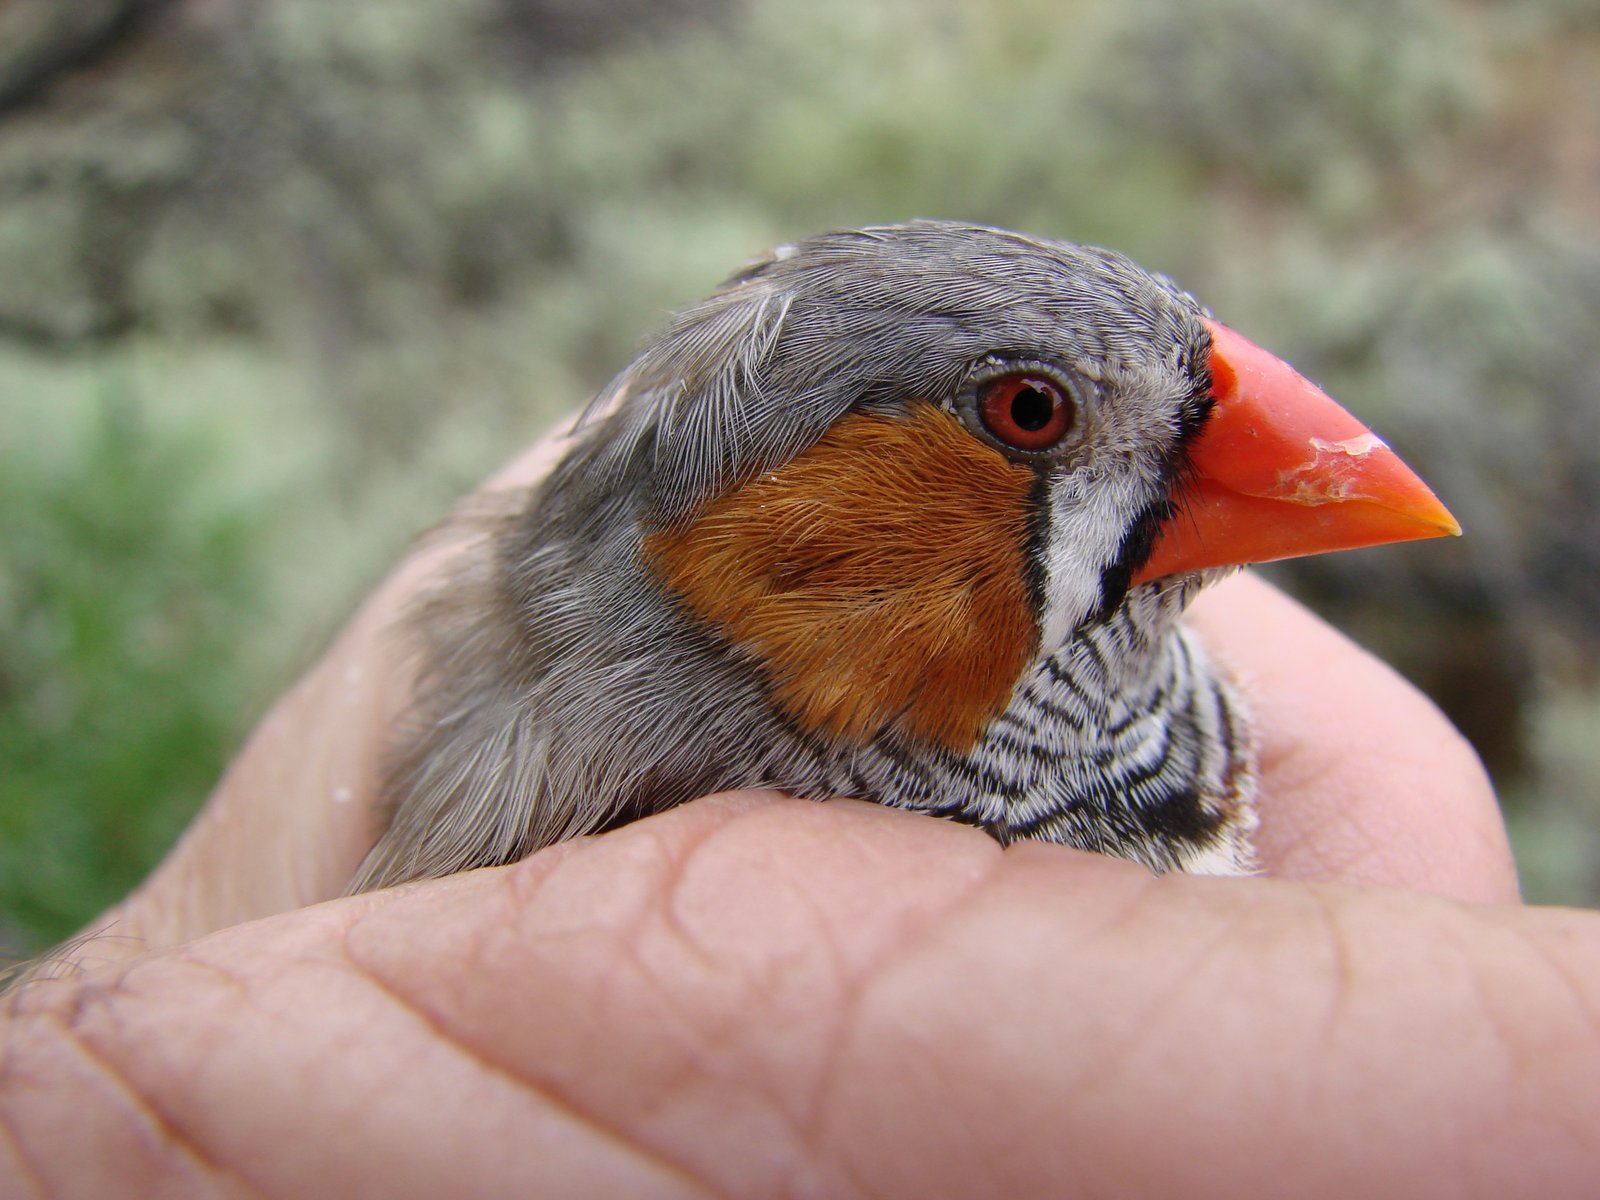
1431,517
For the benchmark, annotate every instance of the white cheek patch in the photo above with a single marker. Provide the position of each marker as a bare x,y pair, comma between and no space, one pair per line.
1089,515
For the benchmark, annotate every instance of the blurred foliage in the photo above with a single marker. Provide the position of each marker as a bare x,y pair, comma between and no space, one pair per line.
282,277
126,580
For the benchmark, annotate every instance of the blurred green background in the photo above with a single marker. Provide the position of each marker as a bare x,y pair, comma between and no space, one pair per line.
279,279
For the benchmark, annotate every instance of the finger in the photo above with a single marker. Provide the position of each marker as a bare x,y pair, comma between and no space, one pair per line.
838,999
754,997
1363,780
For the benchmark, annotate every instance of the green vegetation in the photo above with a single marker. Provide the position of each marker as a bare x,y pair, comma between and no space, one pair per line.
279,280
129,576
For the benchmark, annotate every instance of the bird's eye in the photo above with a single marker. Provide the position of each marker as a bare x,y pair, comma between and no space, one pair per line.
1026,410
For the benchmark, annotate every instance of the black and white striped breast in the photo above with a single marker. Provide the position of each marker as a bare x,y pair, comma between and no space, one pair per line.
1125,740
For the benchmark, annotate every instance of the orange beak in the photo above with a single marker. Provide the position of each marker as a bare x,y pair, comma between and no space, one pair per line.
1280,471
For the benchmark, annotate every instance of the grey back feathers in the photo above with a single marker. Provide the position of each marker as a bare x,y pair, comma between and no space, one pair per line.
561,691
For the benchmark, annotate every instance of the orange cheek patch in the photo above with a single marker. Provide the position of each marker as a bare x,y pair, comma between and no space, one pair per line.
880,578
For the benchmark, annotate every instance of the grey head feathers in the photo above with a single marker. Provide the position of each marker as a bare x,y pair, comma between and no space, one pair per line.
751,376
562,690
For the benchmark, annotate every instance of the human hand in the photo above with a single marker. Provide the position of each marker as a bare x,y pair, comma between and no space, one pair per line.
752,995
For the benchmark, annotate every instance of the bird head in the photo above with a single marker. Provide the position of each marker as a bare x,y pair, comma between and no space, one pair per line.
891,467
905,513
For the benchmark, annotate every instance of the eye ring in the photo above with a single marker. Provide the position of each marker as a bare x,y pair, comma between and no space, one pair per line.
1026,409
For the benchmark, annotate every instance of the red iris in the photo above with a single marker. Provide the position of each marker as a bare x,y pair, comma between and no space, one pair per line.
1026,411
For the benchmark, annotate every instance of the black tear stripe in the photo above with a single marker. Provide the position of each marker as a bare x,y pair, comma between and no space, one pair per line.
1036,536
1145,530
1138,544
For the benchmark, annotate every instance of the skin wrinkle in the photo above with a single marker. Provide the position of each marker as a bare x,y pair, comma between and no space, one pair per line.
703,1037
1079,1087
625,938
766,988
1347,857
853,1026
866,1031
12,1141
763,987
339,959
174,1132
245,992
1487,980
847,1030
1486,1124
1564,972
1515,1102
1108,1057
1513,1089
671,919
1341,978
811,1117
1584,1134
836,1077
190,958
533,874
16,1159
808,1120
1124,913
171,1133
1155,1000
1515,1070
682,936
543,1090
63,961
762,990
558,1099
631,939
622,939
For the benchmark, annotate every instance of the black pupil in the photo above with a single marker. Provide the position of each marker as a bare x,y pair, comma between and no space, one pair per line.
1032,409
